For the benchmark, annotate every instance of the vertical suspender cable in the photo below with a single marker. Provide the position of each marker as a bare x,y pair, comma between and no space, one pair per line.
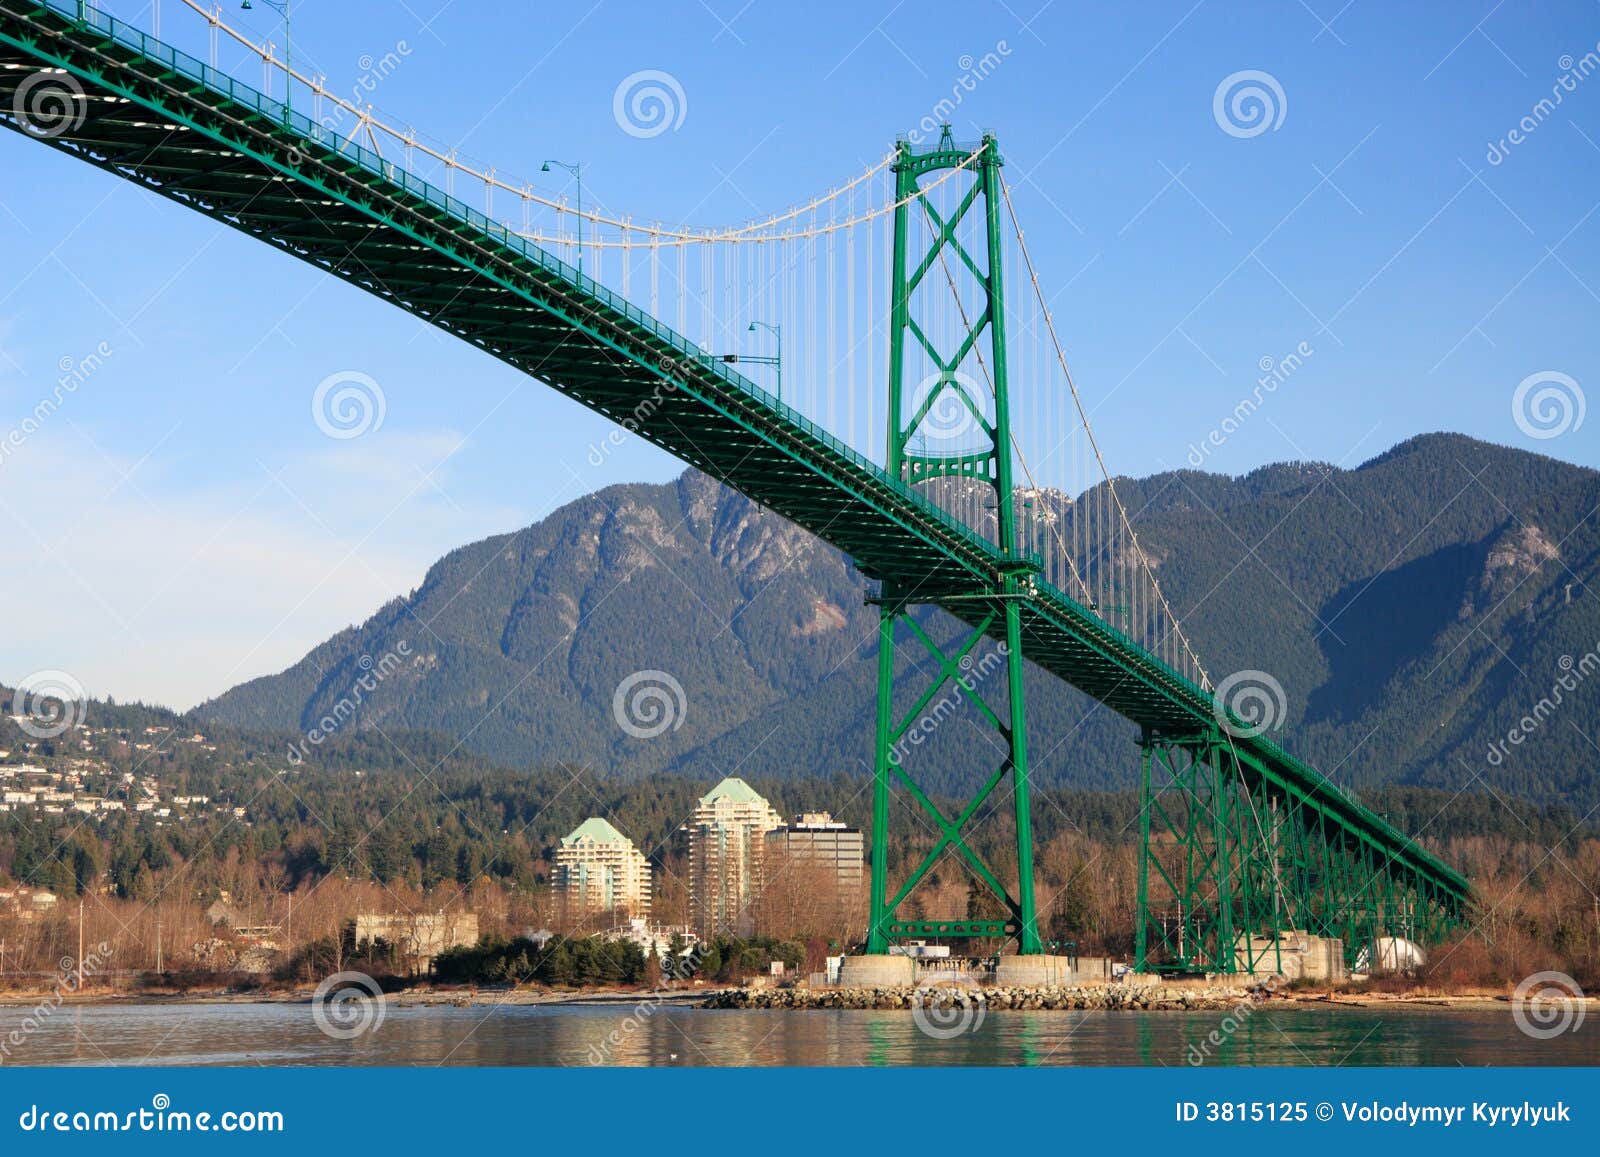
1136,551
850,321
683,303
655,274
831,378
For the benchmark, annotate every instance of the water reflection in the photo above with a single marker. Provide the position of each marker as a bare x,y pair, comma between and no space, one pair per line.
236,1034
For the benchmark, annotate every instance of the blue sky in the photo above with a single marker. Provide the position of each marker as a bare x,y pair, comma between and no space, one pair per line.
185,524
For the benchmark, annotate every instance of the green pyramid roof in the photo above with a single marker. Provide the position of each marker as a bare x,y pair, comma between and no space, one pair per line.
735,789
596,829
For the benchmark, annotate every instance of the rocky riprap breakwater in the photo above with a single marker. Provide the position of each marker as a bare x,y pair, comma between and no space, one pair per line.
1131,997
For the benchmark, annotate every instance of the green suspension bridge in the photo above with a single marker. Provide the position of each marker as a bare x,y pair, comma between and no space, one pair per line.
911,305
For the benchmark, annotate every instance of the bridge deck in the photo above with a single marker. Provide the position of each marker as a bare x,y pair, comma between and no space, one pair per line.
182,129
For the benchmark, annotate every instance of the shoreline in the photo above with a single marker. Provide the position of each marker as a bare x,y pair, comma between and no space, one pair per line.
1152,997
419,998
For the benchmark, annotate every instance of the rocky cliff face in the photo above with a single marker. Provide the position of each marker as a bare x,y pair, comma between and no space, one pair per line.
1515,556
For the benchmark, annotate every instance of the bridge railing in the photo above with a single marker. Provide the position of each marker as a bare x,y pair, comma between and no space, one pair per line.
298,124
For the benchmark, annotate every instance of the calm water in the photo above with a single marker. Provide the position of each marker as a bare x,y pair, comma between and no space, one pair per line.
285,1034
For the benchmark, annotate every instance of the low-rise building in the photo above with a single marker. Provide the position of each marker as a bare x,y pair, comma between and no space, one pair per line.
27,902
816,843
659,939
418,937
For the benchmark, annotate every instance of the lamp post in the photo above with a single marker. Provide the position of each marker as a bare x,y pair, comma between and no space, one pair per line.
775,362
281,7
576,169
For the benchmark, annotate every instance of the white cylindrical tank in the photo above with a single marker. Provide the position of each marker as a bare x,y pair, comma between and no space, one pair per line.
1393,954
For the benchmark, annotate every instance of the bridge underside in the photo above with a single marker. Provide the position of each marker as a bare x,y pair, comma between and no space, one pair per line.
190,133
1228,871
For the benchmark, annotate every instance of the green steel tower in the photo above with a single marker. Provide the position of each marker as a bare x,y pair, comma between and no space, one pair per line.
940,267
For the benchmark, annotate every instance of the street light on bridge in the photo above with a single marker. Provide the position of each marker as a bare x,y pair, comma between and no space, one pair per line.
281,7
776,362
576,169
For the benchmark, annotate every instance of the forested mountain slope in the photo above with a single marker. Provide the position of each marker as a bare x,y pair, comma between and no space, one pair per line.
1414,609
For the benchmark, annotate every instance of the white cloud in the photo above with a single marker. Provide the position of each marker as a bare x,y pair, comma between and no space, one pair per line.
145,586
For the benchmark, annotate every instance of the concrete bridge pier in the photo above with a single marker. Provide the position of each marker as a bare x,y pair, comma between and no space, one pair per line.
1034,970
877,971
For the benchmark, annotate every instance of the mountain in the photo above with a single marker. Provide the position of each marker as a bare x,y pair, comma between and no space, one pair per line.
519,643
1414,608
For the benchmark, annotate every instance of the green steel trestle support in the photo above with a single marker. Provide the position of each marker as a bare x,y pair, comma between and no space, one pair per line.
911,460
1231,865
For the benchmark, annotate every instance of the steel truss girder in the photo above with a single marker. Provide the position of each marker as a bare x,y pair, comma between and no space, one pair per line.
1229,866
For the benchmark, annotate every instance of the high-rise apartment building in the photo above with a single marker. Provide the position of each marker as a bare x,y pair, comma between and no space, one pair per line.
599,870
727,849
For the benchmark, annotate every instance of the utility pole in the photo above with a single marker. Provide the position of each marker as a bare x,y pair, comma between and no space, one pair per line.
159,969
80,943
